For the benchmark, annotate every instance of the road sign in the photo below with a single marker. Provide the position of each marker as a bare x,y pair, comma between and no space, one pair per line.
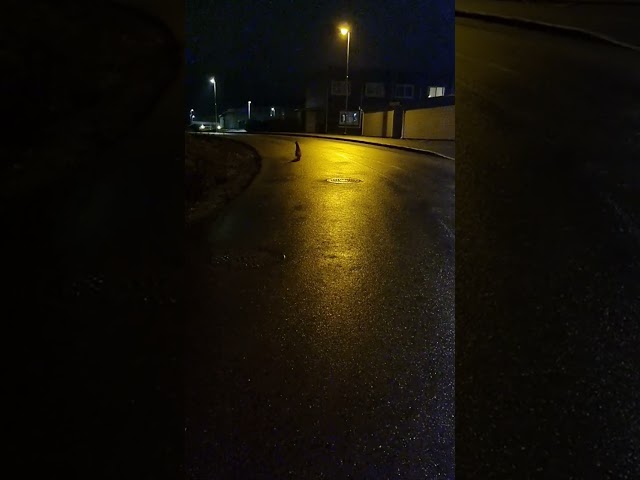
349,118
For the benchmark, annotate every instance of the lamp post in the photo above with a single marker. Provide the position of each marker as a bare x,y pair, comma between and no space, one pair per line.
215,99
346,31
249,110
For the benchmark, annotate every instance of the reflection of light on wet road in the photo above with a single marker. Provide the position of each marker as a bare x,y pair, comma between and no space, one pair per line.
341,263
346,343
343,229
352,159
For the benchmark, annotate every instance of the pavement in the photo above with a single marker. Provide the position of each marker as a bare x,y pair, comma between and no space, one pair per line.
321,326
547,242
441,148
611,22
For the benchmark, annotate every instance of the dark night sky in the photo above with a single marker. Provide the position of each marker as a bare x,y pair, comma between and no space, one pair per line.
260,50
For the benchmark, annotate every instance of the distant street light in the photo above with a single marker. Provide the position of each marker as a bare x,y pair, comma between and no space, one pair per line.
215,97
346,31
249,114
191,116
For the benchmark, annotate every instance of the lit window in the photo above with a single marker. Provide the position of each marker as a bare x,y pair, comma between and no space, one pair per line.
404,91
436,92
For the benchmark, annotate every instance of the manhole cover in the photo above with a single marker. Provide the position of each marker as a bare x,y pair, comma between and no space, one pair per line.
343,180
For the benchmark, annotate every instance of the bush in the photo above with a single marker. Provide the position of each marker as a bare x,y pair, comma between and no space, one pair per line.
253,125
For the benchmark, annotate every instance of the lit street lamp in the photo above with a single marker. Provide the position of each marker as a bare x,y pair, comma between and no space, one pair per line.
249,110
345,31
215,98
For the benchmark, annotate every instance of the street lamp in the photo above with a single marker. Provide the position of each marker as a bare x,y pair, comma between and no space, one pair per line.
346,31
249,109
215,98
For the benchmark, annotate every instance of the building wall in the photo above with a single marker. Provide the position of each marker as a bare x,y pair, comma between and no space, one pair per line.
325,93
378,124
430,123
234,120
311,121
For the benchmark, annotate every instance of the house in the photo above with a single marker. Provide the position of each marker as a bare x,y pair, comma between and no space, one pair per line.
237,118
370,90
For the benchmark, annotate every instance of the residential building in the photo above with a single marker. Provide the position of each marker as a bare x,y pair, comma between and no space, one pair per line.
370,90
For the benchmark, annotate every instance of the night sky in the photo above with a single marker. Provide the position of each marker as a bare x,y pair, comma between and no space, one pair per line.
261,50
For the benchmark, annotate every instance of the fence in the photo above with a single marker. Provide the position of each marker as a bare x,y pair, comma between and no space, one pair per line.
432,123
378,124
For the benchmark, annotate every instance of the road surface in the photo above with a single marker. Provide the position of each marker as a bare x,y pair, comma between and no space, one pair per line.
547,256
321,341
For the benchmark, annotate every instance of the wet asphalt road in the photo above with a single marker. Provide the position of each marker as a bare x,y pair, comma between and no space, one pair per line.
321,344
547,256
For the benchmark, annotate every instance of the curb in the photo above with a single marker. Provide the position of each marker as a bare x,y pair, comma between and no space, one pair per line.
365,142
537,25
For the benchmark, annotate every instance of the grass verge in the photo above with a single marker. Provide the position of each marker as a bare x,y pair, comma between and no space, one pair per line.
217,170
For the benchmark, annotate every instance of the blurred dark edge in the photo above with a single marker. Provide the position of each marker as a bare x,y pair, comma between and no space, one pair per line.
95,324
